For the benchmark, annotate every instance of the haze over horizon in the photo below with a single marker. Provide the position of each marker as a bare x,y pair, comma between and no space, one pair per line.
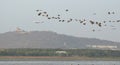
22,13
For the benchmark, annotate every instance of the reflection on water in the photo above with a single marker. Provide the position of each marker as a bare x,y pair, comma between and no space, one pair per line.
59,62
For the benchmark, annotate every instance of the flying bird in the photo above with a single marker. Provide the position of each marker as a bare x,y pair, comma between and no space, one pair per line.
82,21
118,20
39,14
49,18
93,30
37,10
45,12
58,15
108,12
37,22
94,13
91,22
66,10
113,12
99,25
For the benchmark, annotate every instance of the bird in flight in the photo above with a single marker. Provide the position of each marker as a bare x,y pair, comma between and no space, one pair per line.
84,22
37,22
66,10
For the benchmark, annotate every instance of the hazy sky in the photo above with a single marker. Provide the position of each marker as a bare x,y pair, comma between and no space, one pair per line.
22,13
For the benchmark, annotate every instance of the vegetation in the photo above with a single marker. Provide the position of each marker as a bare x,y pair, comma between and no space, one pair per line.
52,52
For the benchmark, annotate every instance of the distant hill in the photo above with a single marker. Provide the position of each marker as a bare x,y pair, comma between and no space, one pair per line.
47,39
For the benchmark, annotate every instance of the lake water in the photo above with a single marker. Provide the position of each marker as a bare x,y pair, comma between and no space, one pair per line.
59,62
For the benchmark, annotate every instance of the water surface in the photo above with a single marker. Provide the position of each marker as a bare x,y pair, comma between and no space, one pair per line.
59,62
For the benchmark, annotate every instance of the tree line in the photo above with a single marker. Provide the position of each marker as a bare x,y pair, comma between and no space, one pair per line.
52,52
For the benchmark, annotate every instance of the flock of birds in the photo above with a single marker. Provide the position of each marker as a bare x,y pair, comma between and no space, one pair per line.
81,21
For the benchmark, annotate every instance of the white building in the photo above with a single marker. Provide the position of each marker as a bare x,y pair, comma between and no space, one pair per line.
102,47
61,52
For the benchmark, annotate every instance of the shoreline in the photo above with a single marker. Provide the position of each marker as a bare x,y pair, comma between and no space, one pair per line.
56,58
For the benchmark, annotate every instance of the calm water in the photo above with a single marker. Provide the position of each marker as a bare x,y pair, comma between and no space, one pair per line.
59,62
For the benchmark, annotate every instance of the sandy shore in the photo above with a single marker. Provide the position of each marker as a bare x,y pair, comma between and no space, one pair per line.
49,58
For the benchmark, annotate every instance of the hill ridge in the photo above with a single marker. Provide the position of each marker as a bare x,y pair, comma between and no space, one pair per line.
49,39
